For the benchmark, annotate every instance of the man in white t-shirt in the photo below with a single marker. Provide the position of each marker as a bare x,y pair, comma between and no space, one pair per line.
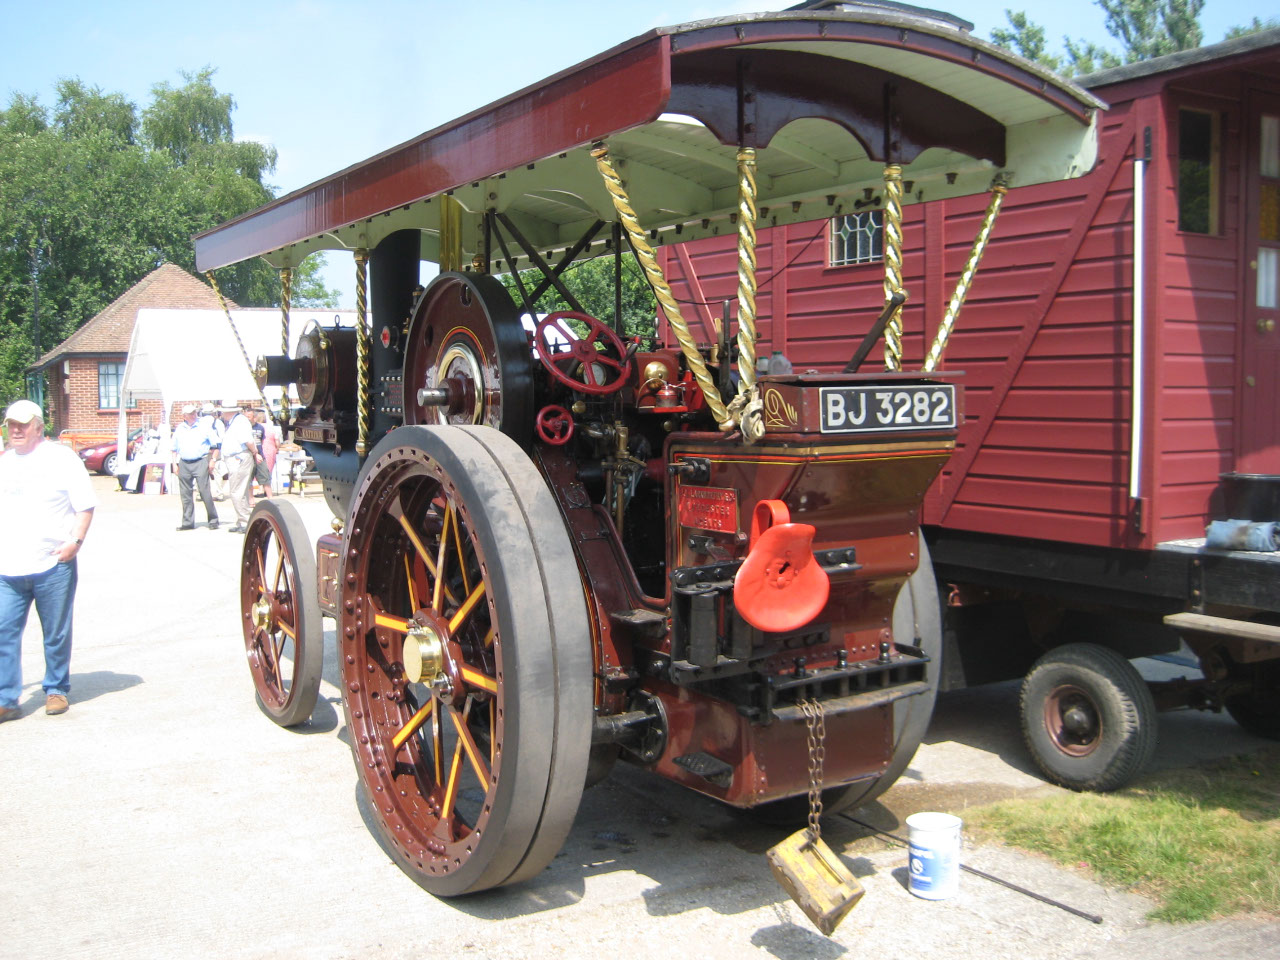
240,452
46,506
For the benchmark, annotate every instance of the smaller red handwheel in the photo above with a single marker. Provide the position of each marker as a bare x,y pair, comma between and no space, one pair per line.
597,363
555,425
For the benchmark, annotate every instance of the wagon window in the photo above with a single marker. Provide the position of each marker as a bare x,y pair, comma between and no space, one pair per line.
1198,164
857,238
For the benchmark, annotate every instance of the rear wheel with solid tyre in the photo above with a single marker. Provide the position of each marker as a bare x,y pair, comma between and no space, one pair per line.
1088,717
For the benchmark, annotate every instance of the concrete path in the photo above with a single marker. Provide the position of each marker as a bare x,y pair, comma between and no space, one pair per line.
165,816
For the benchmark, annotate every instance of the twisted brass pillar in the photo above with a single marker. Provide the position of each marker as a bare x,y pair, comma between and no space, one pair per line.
998,189
747,267
362,352
286,300
662,290
893,263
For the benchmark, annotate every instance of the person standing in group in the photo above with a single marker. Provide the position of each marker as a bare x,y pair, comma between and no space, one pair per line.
240,453
210,420
191,444
46,506
261,478
270,444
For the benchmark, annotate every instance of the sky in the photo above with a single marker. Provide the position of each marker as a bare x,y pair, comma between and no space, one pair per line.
329,84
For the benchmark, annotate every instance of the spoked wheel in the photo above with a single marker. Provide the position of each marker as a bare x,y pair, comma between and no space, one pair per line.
466,339
466,658
917,618
283,633
1088,717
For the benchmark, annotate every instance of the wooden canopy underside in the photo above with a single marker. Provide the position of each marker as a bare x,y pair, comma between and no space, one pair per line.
827,100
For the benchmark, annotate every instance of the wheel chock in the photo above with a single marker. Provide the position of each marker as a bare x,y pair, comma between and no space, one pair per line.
815,878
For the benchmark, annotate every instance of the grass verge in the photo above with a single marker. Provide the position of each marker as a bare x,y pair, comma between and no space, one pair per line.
1204,841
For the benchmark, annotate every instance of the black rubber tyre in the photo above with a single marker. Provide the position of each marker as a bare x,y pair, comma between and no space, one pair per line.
109,465
1088,718
917,613
1254,699
456,556
279,613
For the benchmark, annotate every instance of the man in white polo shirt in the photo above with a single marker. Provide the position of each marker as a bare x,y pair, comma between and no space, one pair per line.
192,440
240,451
46,506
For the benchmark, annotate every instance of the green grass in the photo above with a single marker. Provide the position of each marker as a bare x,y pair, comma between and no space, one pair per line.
1203,841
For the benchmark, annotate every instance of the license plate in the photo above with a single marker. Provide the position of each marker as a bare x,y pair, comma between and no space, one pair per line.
881,409
708,508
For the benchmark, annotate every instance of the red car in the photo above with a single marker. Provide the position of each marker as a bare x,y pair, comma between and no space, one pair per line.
102,457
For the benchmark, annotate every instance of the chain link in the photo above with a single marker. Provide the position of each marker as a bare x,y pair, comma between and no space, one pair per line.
816,720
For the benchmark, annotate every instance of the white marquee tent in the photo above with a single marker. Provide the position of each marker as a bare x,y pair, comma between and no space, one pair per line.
179,355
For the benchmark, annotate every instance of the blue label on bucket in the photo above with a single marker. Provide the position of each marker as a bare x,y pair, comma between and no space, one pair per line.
932,871
933,855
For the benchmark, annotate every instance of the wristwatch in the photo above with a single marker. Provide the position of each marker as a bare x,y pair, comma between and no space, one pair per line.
79,542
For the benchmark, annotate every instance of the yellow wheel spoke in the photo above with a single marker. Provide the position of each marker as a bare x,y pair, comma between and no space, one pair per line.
398,624
444,543
408,575
451,790
418,545
275,582
473,752
437,744
261,562
462,560
488,637
416,721
456,620
477,679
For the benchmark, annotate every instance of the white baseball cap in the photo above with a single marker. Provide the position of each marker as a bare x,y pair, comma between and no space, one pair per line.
188,409
23,411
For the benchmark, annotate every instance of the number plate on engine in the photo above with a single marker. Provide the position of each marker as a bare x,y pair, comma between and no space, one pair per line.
708,508
882,409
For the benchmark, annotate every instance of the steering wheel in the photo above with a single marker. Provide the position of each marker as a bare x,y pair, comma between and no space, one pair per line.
554,425
600,356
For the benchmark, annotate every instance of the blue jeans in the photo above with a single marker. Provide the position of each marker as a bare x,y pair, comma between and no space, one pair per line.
53,592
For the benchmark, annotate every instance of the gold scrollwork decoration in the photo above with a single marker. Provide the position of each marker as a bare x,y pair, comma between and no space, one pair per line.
777,412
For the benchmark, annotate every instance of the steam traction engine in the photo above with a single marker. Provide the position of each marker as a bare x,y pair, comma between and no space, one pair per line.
559,546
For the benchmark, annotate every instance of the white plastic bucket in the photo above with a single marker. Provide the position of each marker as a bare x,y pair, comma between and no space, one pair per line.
934,855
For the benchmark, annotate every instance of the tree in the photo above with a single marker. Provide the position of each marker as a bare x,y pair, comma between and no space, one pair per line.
93,196
1144,28
1254,26
592,283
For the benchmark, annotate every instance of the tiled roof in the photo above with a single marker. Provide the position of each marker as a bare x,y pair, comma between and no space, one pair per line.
167,286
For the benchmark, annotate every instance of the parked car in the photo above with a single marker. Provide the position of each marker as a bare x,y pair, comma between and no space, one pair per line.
102,457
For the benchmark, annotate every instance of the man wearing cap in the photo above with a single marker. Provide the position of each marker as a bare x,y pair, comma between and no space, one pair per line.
46,506
240,451
191,443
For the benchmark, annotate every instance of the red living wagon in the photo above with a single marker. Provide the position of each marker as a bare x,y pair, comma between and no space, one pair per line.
1076,503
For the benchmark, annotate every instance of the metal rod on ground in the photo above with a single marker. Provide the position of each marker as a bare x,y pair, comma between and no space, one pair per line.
1091,917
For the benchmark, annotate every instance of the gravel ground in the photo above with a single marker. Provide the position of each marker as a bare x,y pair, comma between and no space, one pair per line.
165,816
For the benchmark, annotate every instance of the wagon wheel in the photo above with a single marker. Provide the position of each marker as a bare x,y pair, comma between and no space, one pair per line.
467,687
283,633
1088,717
917,618
465,337
1253,697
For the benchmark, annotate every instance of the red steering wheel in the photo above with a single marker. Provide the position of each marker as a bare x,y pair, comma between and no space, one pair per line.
555,425
599,358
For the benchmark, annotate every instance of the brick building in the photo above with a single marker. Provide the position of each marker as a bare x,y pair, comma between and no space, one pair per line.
83,373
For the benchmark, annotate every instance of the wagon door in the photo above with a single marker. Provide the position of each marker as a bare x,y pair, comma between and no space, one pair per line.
1260,420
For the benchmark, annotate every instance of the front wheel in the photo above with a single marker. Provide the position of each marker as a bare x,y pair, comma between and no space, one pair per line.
279,612
109,465
1088,717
